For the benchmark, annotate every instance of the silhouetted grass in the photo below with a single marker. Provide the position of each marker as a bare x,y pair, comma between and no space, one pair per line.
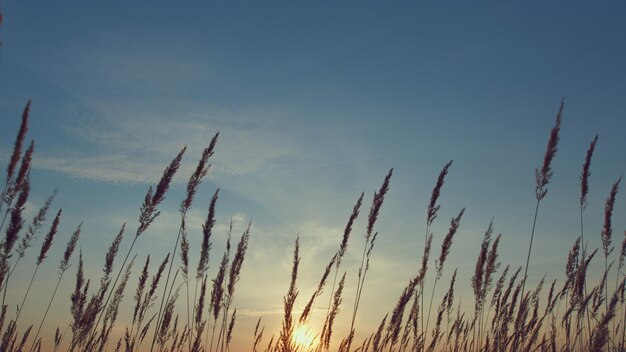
573,315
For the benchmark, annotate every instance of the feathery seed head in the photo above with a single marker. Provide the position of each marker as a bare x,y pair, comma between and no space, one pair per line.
607,230
433,207
47,242
377,203
584,177
17,146
543,175
196,178
447,242
69,249
348,229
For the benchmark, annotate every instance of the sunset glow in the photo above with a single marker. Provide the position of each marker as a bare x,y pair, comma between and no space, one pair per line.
302,336
202,176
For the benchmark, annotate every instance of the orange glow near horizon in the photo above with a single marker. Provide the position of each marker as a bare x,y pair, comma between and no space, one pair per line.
302,337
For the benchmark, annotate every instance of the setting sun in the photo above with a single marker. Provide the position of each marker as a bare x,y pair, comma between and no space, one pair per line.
302,336
312,176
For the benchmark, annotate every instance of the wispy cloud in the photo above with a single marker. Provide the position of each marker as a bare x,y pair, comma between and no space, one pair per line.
128,142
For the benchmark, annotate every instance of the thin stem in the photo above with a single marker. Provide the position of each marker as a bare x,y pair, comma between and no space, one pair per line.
46,313
530,246
623,330
582,256
432,297
6,282
193,311
95,327
4,194
422,291
169,294
606,282
222,335
158,322
212,335
19,311
4,218
330,300
361,274
188,321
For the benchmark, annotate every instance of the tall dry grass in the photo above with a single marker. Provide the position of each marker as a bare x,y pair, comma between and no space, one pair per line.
571,313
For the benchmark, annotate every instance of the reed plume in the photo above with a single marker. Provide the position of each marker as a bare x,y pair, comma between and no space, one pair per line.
377,203
584,190
63,266
45,247
207,231
285,340
445,250
431,215
217,292
584,177
143,304
607,229
326,335
201,170
233,277
34,227
229,335
320,287
433,207
205,247
544,174
342,250
198,320
16,223
25,167
110,317
600,335
15,156
258,335
395,323
542,179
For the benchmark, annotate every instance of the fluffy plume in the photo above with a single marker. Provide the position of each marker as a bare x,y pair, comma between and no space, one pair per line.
584,177
237,263
47,242
148,211
24,170
16,222
207,230
217,293
229,335
333,313
607,230
69,249
433,207
320,287
35,225
447,242
377,203
184,255
17,146
479,272
348,229
424,267
196,178
143,278
543,175
285,340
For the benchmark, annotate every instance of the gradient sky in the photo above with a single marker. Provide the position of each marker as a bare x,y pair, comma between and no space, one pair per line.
315,101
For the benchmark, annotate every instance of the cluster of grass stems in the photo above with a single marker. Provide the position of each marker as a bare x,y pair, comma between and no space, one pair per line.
570,315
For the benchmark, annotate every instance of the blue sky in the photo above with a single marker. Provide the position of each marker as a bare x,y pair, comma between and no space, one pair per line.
315,101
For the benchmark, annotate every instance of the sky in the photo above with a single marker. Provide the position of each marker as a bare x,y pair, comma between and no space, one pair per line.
315,101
